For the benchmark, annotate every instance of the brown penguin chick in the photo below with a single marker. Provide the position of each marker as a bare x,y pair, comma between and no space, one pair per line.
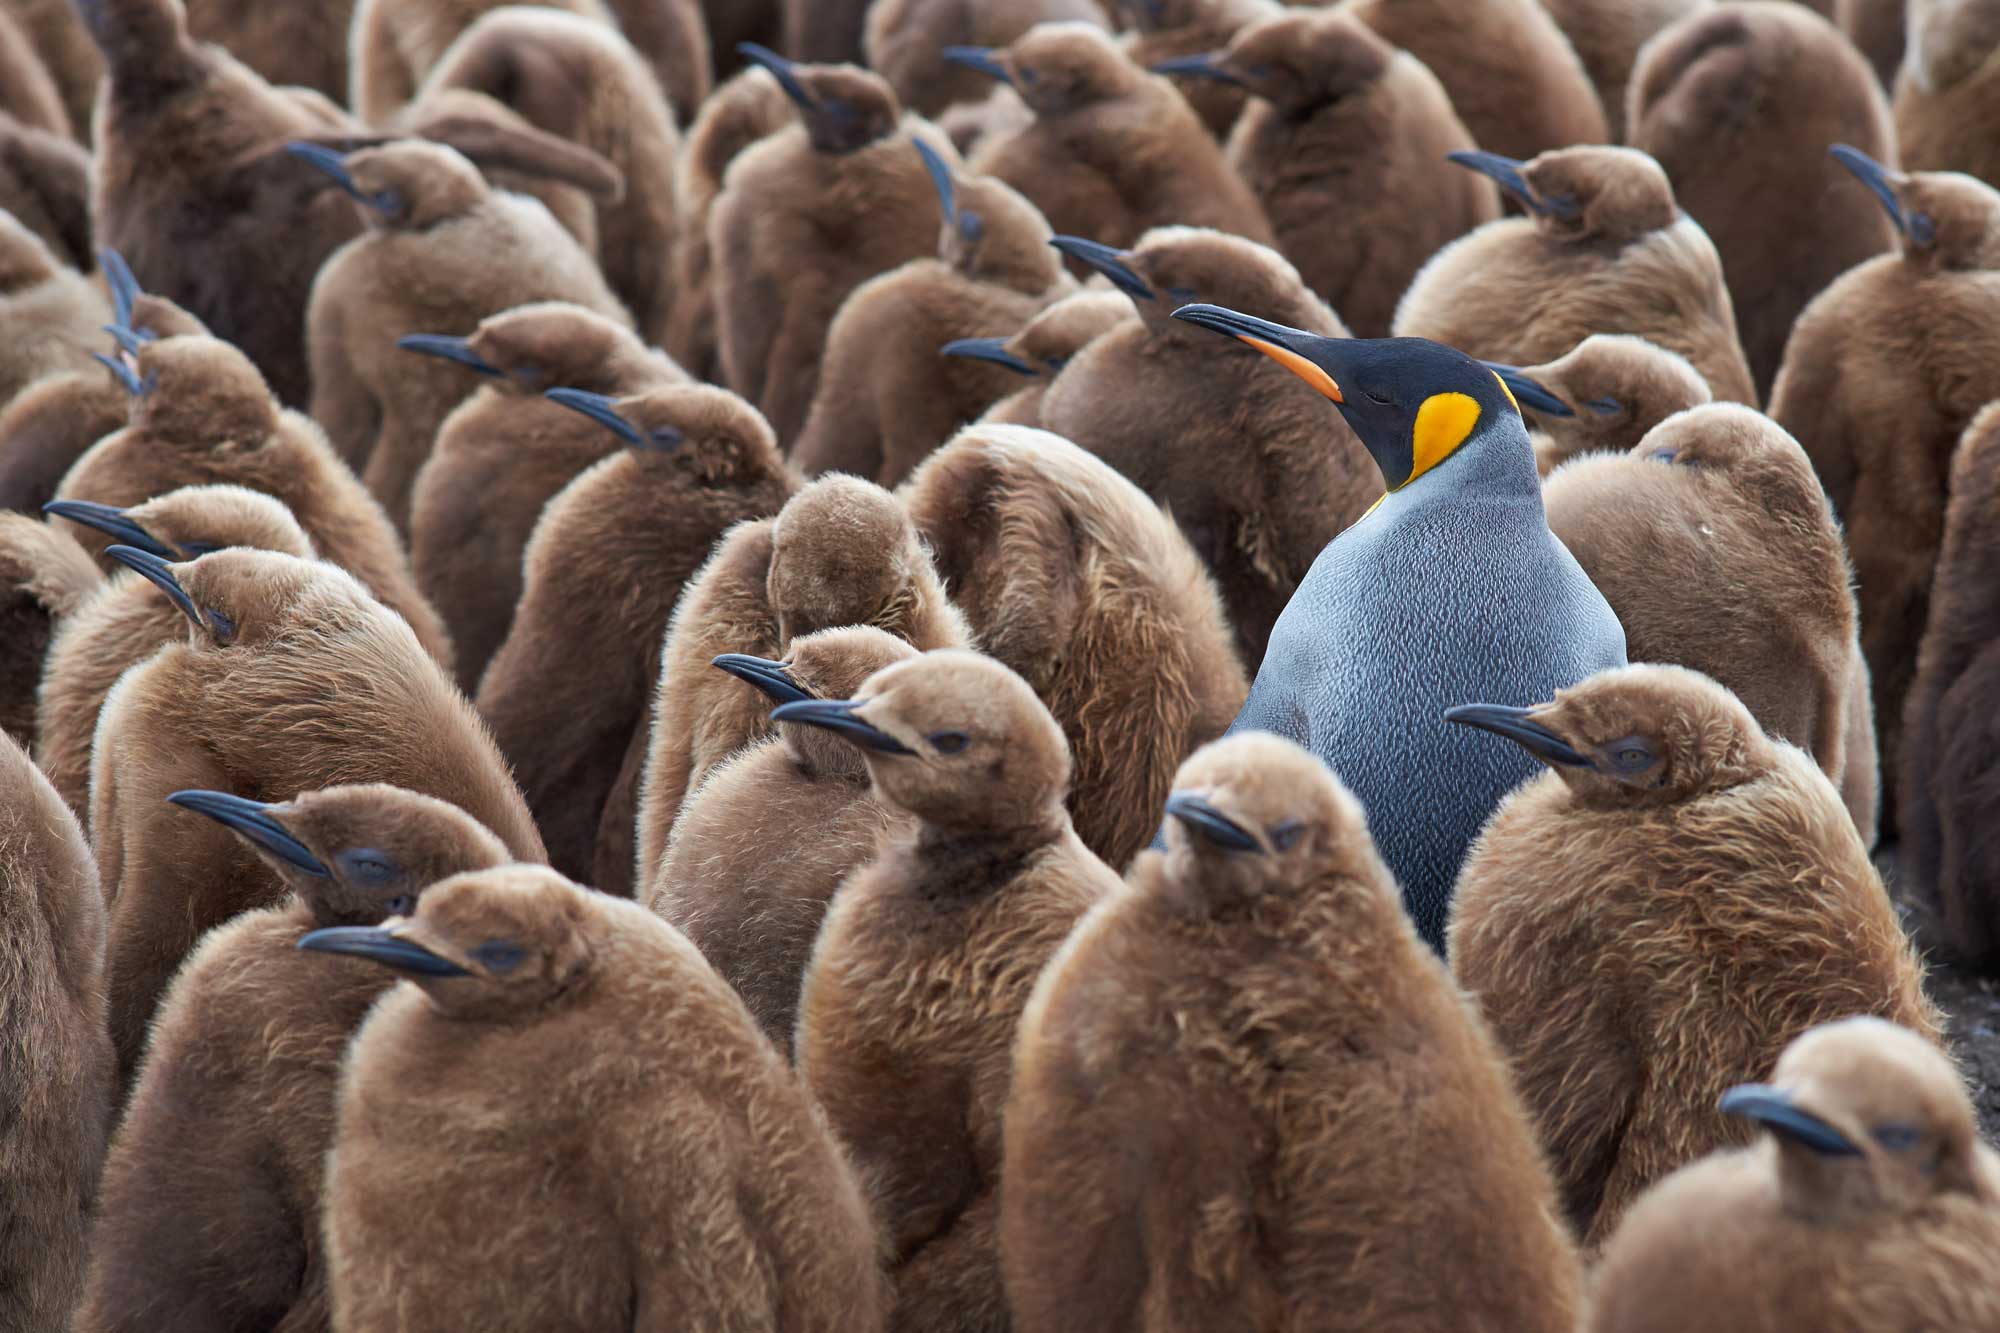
55,1106
55,420
887,393
1604,250
66,51
566,694
805,216
1513,77
1884,371
123,621
1222,1078
1158,31
1072,577
737,114
193,186
1868,1202
442,251
292,678
205,417
841,552
772,831
969,124
393,44
1229,442
1711,898
289,45
1714,543
49,313
700,1187
1043,347
580,80
929,952
1337,113
44,577
1113,149
45,184
1740,101
1949,798
903,38
1607,35
506,451
233,1114
28,92
1948,87
1601,396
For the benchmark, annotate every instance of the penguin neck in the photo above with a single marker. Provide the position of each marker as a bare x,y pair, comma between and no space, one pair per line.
1494,465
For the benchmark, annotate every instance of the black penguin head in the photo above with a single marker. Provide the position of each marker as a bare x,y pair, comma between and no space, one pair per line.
1411,401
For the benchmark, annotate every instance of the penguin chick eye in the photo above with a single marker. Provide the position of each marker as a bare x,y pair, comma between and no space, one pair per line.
498,956
1285,835
532,376
1605,407
222,626
399,905
1183,295
390,203
1923,229
1634,754
971,227
1055,362
195,550
949,742
1665,454
368,867
1897,1138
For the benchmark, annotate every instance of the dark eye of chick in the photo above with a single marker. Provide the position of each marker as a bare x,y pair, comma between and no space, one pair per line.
949,742
223,627
1285,835
498,956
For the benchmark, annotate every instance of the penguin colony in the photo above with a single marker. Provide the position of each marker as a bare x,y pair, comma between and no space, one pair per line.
958,666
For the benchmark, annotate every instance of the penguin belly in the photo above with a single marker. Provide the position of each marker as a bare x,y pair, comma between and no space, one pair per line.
1403,616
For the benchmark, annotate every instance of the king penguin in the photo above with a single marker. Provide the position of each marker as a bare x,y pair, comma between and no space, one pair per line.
1451,583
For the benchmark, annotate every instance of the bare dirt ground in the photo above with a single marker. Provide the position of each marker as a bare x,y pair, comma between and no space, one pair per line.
1971,1001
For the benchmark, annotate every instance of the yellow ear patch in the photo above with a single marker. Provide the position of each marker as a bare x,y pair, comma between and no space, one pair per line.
1509,392
1444,422
1306,370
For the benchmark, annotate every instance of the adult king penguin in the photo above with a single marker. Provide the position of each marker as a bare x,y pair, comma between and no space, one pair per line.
1452,582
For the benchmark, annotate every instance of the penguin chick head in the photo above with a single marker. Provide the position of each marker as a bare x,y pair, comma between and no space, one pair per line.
1171,267
536,347
406,185
1867,1118
1588,193
492,945
843,552
1635,736
1946,220
829,664
708,431
956,739
1748,456
240,599
1057,67
1149,16
1050,339
1949,40
990,231
154,316
1412,402
355,855
843,107
188,523
1297,61
200,392
1609,389
1254,816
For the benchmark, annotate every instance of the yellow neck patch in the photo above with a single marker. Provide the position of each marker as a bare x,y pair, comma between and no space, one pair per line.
1509,392
1444,422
